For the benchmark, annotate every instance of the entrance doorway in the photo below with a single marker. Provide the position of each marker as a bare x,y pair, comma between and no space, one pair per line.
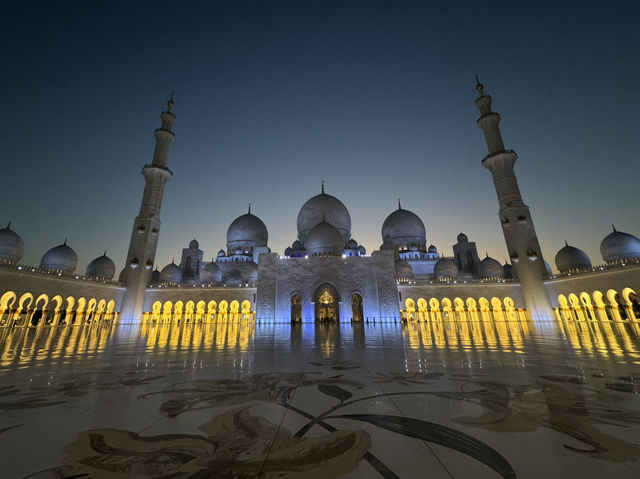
356,307
327,303
296,308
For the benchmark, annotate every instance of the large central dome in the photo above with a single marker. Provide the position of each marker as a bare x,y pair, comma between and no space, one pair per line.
321,208
404,228
247,231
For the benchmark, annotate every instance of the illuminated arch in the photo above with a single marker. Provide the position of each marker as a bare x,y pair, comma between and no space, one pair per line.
24,305
6,305
102,305
167,308
614,307
422,309
81,305
69,315
447,308
496,306
223,306
39,312
111,306
628,303
587,306
422,304
156,309
245,307
510,309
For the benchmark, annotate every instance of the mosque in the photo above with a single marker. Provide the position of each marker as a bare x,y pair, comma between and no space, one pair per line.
325,274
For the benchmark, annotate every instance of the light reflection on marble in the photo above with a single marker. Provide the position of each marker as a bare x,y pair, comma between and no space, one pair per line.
438,399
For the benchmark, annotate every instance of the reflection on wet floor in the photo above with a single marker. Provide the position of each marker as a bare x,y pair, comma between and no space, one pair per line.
453,398
26,347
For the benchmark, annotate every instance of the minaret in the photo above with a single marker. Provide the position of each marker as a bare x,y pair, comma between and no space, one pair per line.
515,217
146,226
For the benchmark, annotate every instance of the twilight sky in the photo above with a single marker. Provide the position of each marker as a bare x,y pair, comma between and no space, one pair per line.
376,98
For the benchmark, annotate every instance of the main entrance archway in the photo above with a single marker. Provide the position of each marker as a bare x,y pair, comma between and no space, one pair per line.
327,305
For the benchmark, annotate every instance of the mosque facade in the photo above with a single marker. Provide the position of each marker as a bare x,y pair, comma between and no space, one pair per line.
325,274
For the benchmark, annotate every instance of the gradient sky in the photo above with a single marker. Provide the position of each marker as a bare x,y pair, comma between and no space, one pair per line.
376,98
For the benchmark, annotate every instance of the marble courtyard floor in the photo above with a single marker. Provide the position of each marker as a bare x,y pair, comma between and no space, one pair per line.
247,400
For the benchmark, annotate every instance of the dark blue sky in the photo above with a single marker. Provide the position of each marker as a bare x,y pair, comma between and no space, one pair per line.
377,98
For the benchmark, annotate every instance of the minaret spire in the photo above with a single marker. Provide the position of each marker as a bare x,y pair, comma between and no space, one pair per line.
146,226
515,217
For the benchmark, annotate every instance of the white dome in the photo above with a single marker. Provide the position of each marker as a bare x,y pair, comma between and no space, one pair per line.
101,267
352,244
11,245
490,268
445,268
211,273
462,238
325,239
570,257
221,253
619,246
60,258
321,208
193,244
403,270
404,227
247,231
171,273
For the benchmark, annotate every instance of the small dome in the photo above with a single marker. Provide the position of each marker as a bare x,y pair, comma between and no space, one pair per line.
445,268
250,273
11,245
404,227
171,273
60,258
432,249
297,245
490,268
462,238
287,251
361,250
325,239
101,267
617,246
122,277
321,208
247,231
352,244
221,253
403,270
193,244
570,257
211,273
